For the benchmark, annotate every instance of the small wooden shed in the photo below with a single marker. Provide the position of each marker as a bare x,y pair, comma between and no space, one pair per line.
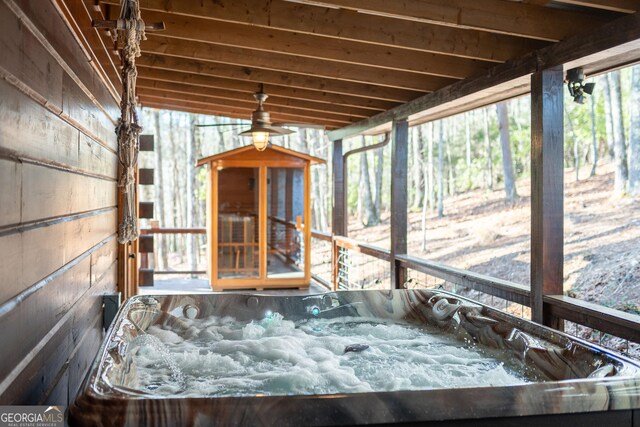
258,218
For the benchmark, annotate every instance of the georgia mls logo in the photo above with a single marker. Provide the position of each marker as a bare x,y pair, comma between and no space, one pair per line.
31,416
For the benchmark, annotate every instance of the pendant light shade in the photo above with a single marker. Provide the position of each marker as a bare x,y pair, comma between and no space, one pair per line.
261,128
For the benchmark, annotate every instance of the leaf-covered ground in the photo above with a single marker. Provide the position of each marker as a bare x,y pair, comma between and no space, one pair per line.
482,233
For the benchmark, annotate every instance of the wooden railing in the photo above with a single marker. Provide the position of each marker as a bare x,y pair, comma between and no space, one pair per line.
606,320
144,257
603,319
147,231
504,289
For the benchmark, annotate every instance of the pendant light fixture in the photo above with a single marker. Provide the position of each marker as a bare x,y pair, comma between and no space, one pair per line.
261,128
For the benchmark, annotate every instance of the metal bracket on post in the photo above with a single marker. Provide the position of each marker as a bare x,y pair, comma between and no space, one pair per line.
110,306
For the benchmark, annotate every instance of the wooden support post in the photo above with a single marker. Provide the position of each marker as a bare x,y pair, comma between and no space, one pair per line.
547,190
399,164
339,213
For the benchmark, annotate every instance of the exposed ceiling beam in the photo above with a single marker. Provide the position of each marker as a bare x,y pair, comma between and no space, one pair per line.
500,16
285,63
623,6
311,46
351,25
186,90
618,38
188,107
247,87
276,78
285,112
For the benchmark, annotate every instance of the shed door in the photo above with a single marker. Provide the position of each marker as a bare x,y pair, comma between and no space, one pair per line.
238,223
285,219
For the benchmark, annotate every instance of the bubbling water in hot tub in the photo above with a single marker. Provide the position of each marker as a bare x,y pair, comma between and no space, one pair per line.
220,356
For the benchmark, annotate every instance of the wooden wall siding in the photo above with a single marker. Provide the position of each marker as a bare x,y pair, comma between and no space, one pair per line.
58,216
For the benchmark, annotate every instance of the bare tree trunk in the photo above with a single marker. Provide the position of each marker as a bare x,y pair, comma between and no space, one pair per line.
368,217
317,183
182,184
634,137
431,132
328,174
416,168
191,195
441,170
173,202
468,139
619,149
594,141
160,189
608,117
576,154
425,198
487,142
451,187
379,168
502,110
467,132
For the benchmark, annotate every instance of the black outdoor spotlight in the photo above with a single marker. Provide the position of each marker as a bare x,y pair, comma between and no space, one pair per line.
577,86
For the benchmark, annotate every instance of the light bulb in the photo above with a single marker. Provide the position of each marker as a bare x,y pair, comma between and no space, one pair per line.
260,140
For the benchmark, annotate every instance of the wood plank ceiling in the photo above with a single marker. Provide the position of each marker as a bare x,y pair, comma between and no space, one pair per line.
328,62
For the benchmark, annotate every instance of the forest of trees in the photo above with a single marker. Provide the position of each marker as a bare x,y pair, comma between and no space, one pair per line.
485,148
490,148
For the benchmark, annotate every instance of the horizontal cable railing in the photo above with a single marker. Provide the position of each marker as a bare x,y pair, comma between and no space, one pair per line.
503,289
321,265
358,265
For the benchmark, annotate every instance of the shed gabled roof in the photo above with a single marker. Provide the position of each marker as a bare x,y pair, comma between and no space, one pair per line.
249,148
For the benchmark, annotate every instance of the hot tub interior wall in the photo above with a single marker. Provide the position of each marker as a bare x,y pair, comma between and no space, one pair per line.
546,354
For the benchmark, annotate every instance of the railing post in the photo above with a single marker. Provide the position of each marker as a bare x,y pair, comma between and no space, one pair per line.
399,163
547,188
334,264
339,212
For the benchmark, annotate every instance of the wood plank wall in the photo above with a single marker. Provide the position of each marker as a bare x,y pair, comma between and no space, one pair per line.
58,193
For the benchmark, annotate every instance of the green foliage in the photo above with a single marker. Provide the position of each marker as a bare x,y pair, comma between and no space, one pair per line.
201,190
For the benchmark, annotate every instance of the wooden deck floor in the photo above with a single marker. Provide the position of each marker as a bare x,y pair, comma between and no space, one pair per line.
196,286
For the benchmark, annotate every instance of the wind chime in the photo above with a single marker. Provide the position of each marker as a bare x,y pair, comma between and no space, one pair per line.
128,31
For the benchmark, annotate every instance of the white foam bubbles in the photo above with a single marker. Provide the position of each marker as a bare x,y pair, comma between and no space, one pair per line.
224,357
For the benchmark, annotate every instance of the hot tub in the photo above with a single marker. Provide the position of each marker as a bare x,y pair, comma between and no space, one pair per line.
526,373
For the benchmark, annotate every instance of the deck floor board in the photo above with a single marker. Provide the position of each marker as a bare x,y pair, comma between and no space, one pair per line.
199,286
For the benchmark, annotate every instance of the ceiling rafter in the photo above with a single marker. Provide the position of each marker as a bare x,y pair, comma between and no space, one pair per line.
623,6
198,108
354,26
311,46
335,62
196,80
284,63
275,100
248,105
498,16
276,78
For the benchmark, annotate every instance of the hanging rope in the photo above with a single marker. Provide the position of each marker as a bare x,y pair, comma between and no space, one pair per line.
131,30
